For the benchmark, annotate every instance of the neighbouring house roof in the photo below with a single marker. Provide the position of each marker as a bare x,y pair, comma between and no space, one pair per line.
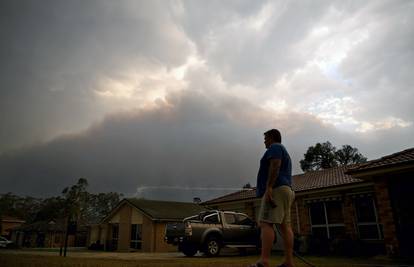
42,226
405,157
302,182
164,210
58,225
11,219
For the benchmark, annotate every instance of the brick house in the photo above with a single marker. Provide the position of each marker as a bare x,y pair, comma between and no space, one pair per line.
48,234
360,204
392,176
139,225
7,225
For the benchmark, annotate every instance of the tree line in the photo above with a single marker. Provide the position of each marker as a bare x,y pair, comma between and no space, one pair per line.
75,203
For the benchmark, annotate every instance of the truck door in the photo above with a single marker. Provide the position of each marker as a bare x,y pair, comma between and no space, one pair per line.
232,232
248,230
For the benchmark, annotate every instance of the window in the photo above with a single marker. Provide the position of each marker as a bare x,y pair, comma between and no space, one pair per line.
367,219
136,236
115,234
230,218
212,218
327,219
243,220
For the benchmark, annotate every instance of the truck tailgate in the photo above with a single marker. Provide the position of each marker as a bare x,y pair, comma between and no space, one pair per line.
174,231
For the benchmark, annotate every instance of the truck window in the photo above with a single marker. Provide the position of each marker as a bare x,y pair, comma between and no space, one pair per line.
230,218
243,220
213,218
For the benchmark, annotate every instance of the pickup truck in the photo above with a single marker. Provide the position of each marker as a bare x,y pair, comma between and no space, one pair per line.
209,231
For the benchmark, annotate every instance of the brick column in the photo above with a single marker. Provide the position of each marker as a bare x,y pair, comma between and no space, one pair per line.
147,235
385,215
349,217
304,220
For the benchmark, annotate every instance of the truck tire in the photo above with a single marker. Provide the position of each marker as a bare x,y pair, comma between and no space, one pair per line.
212,246
189,251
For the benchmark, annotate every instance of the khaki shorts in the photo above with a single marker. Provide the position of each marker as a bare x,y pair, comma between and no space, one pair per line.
283,196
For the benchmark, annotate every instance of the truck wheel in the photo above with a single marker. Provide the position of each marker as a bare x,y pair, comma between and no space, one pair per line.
212,246
189,251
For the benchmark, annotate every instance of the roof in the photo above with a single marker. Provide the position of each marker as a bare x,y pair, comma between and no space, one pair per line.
42,226
397,159
11,219
243,194
165,210
48,226
311,180
335,176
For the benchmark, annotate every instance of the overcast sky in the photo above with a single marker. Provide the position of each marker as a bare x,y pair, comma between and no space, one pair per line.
170,99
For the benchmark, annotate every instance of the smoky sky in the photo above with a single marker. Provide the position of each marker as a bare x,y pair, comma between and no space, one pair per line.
169,99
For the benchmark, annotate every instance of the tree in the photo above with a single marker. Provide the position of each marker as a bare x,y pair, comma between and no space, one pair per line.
76,198
99,205
320,156
21,207
349,155
51,209
325,155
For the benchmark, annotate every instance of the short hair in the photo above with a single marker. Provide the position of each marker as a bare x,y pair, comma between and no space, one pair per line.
274,134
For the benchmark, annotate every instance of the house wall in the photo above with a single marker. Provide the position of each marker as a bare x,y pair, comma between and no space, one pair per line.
385,214
124,238
136,217
8,225
349,217
160,244
148,233
94,234
53,239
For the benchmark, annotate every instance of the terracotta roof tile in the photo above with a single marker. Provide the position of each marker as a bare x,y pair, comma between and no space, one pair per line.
302,182
402,157
238,195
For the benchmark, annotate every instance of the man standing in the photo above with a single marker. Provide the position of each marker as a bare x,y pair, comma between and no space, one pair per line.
274,182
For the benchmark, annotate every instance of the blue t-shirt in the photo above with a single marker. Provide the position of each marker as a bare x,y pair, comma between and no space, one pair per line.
275,151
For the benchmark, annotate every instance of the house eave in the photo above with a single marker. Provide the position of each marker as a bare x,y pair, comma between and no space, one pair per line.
306,192
367,174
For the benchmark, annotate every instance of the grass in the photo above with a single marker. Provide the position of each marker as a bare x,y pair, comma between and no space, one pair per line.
37,258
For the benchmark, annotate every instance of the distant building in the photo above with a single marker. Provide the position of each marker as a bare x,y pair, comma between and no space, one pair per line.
139,225
48,234
8,223
365,206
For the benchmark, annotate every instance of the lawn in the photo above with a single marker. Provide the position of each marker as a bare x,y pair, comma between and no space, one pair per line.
38,258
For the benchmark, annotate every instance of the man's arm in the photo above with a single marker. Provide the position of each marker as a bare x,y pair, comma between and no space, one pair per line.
273,172
271,179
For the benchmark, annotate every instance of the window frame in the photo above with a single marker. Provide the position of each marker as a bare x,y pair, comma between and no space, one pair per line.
326,225
376,223
211,215
137,242
115,237
234,217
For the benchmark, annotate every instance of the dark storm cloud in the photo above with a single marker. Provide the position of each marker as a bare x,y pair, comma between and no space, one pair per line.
191,141
53,52
147,96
